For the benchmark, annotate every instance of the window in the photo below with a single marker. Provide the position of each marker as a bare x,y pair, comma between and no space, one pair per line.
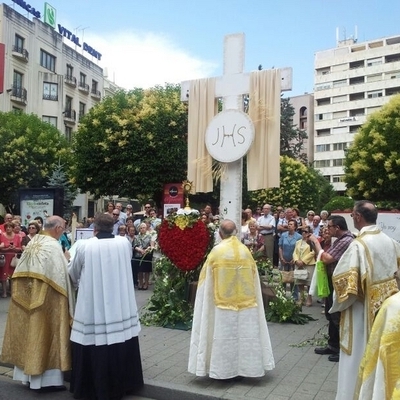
68,133
322,163
339,99
394,74
17,80
82,79
337,178
50,120
70,71
82,107
374,61
356,64
374,78
50,91
19,44
68,103
95,86
357,96
342,82
339,146
357,80
323,86
374,93
356,112
47,60
354,128
322,147
323,132
338,162
324,101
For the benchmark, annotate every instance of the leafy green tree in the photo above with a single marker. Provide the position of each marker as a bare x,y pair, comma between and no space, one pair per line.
292,138
132,143
59,178
301,187
372,162
29,150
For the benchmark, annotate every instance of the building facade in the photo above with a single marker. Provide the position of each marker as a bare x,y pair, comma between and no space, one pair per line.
351,82
43,75
304,119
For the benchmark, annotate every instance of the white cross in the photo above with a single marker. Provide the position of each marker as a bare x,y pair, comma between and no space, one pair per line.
231,87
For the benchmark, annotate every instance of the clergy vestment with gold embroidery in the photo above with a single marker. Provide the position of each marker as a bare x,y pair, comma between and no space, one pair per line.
36,338
379,373
229,332
363,280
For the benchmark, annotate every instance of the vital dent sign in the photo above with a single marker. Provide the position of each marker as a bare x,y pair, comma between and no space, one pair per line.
27,7
75,39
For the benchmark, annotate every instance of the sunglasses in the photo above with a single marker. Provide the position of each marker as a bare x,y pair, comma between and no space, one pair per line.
31,227
116,214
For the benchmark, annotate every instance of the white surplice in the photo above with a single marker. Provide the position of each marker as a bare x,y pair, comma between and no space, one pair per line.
363,280
106,313
229,333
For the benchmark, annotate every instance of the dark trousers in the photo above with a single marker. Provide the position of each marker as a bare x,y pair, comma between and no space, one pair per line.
333,319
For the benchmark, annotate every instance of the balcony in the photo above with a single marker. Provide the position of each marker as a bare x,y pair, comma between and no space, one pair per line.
20,53
95,94
18,94
70,116
83,87
70,80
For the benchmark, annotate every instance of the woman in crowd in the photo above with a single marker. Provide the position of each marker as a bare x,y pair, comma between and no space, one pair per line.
245,225
17,228
143,257
304,259
310,218
10,245
110,208
301,223
324,219
252,239
39,220
33,229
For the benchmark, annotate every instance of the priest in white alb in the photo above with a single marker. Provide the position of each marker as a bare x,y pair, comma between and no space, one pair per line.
363,280
229,333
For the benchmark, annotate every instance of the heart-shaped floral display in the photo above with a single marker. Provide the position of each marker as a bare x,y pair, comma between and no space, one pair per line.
184,239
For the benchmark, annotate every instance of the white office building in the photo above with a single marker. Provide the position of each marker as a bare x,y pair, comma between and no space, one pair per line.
351,81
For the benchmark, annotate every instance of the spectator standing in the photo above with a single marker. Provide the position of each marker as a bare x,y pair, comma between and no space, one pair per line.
266,227
338,228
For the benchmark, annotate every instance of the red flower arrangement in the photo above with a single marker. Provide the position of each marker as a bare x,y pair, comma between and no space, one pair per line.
184,239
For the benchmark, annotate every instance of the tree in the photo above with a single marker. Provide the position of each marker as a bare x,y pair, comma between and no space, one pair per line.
132,143
29,150
372,162
292,138
301,187
59,178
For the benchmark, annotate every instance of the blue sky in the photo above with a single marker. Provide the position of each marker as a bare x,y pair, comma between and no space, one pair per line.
148,42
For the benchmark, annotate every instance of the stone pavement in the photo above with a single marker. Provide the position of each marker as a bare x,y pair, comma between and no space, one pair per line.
299,373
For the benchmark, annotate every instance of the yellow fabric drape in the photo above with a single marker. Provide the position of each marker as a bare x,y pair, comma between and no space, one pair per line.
202,108
263,166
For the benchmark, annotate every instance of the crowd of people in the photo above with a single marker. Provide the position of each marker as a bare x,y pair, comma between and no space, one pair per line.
361,271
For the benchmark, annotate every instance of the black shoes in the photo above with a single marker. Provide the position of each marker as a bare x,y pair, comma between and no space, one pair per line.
324,350
334,357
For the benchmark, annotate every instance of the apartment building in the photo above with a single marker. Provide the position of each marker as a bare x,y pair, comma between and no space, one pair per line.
351,81
42,74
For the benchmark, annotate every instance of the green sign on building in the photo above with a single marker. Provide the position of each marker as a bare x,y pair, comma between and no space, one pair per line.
50,15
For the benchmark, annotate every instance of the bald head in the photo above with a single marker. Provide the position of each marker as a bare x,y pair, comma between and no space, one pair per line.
55,226
227,228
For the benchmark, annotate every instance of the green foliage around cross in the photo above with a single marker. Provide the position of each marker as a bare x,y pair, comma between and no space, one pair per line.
29,150
132,143
372,162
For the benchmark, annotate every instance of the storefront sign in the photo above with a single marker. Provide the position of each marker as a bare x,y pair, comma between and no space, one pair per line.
28,7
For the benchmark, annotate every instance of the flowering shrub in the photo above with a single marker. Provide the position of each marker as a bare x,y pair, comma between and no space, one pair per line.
284,308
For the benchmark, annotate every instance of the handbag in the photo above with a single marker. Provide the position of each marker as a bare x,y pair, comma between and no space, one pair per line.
2,260
322,279
301,274
14,261
287,276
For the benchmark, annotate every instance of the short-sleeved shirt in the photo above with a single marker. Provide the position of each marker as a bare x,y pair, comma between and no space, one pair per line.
338,248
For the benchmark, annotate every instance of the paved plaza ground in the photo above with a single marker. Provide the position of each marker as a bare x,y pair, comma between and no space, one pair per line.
299,374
